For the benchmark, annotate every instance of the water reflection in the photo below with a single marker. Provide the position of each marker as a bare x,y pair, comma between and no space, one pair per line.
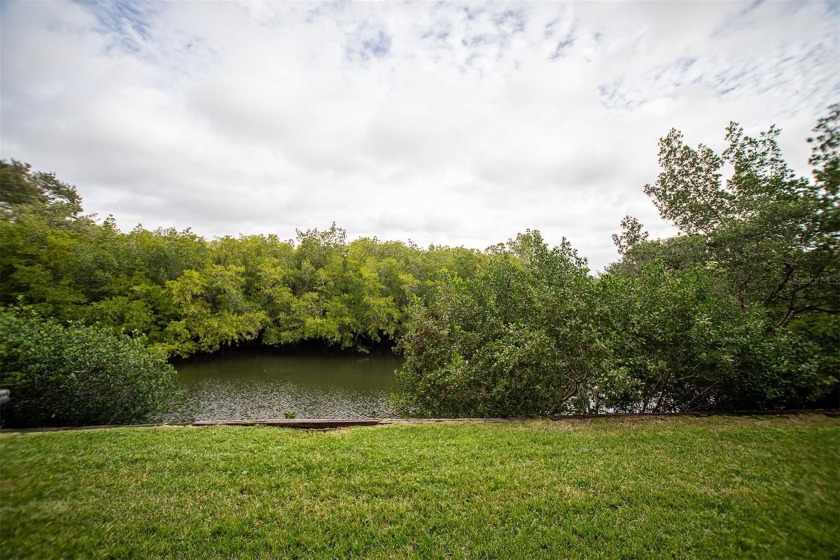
259,386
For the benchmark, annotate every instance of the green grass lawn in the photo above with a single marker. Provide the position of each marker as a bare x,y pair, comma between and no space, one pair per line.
644,488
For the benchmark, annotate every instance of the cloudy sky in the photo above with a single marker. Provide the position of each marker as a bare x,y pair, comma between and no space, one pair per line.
450,123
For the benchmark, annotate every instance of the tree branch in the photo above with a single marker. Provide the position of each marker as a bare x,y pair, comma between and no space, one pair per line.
772,296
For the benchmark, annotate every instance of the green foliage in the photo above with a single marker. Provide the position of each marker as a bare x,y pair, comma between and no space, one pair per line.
21,187
742,310
677,344
825,154
213,310
823,331
518,339
188,295
336,293
80,375
738,311
699,321
767,232
631,236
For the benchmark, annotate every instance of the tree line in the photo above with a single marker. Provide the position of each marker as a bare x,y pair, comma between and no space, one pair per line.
740,310
187,294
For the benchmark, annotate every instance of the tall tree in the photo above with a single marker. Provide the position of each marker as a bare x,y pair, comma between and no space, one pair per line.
770,234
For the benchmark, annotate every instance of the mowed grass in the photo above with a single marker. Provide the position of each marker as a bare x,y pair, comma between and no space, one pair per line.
647,488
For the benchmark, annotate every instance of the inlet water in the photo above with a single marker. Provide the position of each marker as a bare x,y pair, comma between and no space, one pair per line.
260,386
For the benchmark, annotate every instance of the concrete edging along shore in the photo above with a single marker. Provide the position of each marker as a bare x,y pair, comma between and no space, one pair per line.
333,423
301,424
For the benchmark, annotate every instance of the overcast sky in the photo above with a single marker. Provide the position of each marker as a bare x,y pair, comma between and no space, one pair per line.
449,123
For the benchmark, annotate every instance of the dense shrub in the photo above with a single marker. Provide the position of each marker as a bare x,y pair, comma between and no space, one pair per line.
677,343
740,311
518,339
80,375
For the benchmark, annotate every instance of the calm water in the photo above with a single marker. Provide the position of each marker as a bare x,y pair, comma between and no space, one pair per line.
259,386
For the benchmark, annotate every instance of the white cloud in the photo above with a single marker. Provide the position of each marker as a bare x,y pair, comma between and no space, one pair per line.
445,123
